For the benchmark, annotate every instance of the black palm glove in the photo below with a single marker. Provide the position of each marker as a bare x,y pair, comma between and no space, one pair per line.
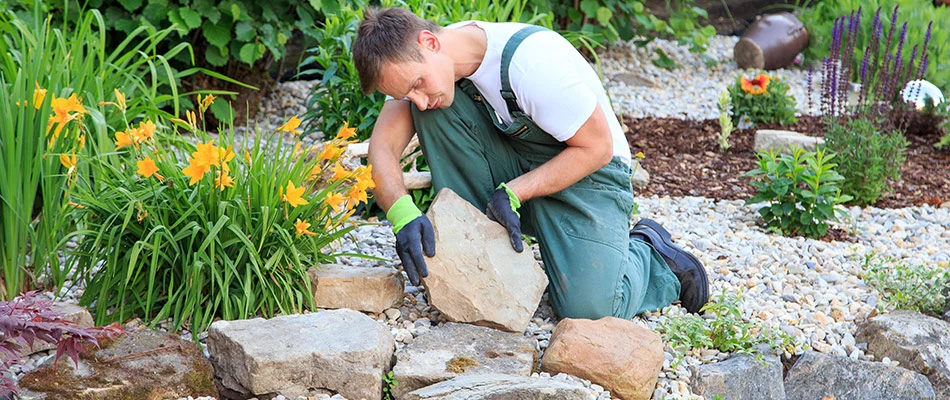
502,209
414,239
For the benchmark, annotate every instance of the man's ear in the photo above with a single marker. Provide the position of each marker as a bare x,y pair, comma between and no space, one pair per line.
429,41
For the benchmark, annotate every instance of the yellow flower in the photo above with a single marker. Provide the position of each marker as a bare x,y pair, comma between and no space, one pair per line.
247,157
195,170
357,195
203,104
334,200
147,168
77,205
223,180
68,162
122,139
192,120
294,195
296,152
314,172
39,94
146,131
207,154
640,155
339,172
303,228
346,132
120,98
364,178
330,152
756,86
291,126
226,155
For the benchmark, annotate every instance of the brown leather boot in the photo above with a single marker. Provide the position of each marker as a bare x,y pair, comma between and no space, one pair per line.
771,42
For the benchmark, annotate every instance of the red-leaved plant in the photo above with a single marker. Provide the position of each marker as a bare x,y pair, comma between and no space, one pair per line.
30,318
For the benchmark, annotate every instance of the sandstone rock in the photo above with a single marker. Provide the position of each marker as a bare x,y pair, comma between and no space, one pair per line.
640,177
817,376
495,386
475,276
461,349
363,289
920,343
634,79
623,357
329,352
740,377
141,364
784,141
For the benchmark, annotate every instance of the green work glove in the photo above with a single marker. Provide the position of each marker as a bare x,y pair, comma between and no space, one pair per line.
414,236
503,209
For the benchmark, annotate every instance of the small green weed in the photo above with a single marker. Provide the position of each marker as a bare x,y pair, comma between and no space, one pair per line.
725,120
912,287
389,383
727,331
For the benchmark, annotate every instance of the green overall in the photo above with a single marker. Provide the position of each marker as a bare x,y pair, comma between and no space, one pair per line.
594,267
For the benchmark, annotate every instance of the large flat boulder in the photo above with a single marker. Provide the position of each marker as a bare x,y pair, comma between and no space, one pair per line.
356,288
741,377
454,350
496,386
475,276
784,141
817,376
916,341
623,357
330,352
142,364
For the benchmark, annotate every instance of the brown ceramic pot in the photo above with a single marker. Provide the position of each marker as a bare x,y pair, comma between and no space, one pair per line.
771,42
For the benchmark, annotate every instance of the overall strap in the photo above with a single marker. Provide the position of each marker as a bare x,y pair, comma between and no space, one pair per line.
506,93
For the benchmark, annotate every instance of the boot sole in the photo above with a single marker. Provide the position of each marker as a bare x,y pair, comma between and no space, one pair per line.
667,243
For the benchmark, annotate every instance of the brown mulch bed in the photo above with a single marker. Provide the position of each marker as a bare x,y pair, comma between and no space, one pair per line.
683,159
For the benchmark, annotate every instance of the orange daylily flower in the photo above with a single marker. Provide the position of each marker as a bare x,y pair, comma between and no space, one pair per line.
204,103
339,172
195,170
357,195
291,126
346,132
223,180
334,200
123,139
67,161
330,152
314,172
302,228
756,86
147,168
294,195
145,132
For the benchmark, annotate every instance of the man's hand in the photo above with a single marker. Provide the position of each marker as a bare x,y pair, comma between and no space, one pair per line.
503,209
414,237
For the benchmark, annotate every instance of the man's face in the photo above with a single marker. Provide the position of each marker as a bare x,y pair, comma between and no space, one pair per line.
429,84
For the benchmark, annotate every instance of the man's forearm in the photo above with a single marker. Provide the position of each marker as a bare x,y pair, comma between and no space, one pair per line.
390,137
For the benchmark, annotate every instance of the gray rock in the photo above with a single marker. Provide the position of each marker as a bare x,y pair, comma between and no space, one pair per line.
68,312
920,343
817,375
740,377
475,276
496,386
461,349
335,351
784,141
640,177
363,289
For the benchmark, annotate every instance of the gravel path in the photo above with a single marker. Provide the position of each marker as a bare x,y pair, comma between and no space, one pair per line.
810,289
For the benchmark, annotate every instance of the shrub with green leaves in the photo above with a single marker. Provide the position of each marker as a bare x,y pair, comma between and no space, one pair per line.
801,191
819,19
726,331
920,287
762,99
45,74
870,154
228,234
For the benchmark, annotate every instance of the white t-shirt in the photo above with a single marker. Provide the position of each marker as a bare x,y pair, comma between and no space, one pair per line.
553,83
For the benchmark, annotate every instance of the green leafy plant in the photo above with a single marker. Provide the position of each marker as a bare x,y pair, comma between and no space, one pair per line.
726,330
914,287
389,383
801,191
45,73
229,234
869,156
763,99
725,119
819,20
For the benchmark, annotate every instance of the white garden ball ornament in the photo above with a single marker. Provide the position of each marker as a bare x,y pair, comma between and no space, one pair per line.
917,91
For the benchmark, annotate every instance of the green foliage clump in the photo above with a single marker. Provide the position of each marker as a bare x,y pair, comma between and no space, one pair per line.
389,384
190,232
870,155
819,19
726,331
725,119
801,191
41,66
914,287
762,99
